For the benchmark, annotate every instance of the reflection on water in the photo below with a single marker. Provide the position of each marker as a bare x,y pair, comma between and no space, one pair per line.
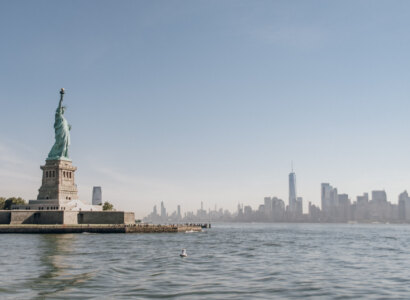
58,274
230,261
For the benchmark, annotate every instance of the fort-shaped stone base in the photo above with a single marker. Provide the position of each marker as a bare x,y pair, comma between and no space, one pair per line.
55,204
110,228
38,217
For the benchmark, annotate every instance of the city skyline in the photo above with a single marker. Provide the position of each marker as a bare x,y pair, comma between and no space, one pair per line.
334,208
208,101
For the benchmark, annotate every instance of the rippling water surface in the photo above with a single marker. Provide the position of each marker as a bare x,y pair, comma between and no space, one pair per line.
229,261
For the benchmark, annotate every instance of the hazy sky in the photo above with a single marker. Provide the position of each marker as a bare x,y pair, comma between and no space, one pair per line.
190,101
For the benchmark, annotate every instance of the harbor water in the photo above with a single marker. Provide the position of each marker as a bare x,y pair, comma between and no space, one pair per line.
229,261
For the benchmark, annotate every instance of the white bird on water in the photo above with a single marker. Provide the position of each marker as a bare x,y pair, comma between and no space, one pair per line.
183,253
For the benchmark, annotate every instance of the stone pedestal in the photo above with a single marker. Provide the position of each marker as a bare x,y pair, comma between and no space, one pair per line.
58,190
58,181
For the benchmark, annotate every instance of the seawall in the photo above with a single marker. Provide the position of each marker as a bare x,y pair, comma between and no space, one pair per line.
62,217
98,228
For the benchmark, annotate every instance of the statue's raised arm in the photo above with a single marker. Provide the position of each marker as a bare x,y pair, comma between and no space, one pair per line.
60,104
62,133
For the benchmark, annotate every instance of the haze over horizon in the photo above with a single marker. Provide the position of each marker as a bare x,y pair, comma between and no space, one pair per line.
210,101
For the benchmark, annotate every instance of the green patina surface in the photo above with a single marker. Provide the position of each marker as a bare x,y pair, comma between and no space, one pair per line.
62,134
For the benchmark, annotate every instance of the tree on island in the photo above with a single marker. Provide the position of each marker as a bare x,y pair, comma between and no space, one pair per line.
7,203
108,206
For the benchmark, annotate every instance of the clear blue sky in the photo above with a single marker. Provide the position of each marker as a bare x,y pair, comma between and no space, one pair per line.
190,101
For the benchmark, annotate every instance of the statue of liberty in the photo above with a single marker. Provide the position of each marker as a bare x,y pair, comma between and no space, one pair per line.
62,134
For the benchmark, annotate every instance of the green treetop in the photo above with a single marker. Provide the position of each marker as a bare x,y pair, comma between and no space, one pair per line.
7,203
108,206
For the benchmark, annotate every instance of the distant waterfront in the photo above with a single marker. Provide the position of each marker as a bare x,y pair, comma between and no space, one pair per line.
273,210
335,208
229,261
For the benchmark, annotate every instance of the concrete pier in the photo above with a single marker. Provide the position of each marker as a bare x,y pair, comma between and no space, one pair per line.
99,228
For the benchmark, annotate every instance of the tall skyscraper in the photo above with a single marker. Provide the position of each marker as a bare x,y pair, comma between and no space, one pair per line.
179,212
328,197
268,205
97,196
379,196
292,192
299,206
404,206
362,200
163,211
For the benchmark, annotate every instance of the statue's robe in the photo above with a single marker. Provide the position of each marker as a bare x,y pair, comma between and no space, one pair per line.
62,137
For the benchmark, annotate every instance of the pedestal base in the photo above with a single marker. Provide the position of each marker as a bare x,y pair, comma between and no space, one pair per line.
15,217
55,204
